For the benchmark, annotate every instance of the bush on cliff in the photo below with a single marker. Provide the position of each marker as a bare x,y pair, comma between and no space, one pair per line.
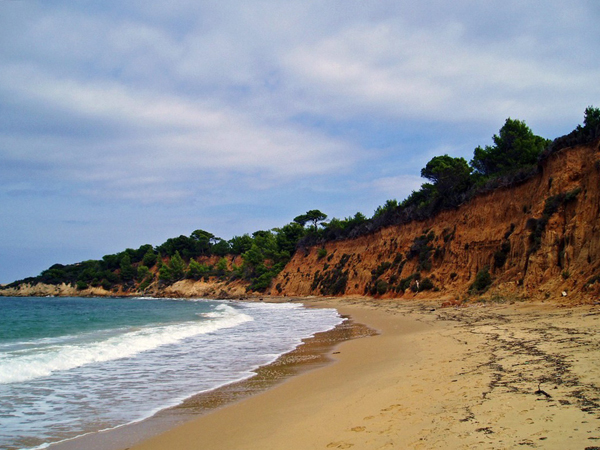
514,147
483,281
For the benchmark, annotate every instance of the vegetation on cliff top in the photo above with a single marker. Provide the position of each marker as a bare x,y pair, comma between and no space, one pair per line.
513,158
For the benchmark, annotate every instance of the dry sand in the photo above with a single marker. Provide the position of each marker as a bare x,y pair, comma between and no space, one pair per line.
484,377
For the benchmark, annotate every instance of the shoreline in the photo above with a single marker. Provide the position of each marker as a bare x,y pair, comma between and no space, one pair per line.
312,353
494,376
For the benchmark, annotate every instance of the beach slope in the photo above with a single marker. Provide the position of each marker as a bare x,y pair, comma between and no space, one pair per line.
493,377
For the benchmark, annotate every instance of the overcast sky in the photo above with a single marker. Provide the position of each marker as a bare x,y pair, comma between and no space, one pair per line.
126,123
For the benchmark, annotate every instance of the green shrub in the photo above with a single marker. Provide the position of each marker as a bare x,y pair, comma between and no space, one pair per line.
322,253
144,284
426,285
381,287
482,282
375,274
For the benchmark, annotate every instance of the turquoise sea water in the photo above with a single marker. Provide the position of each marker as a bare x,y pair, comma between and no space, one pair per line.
71,366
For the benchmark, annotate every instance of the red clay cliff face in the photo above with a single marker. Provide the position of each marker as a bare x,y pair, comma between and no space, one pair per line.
500,230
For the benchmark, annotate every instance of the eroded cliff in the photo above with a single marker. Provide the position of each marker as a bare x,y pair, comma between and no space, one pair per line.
536,240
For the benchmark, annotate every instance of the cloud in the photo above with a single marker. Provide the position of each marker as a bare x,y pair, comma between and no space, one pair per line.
168,137
236,115
395,69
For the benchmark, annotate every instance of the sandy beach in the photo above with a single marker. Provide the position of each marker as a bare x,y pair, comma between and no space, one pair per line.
497,376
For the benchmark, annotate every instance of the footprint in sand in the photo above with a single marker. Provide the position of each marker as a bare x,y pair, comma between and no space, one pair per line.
358,429
392,407
339,445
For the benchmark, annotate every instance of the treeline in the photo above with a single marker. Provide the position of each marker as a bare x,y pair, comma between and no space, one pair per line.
515,156
263,255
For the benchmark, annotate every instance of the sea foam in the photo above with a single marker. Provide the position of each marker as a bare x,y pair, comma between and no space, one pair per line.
21,365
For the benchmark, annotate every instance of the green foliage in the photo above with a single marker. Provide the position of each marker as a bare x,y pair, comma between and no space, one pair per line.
582,135
201,242
196,271
177,267
314,215
287,237
406,283
381,287
421,199
333,281
390,206
451,177
483,281
221,268
381,269
81,285
240,244
321,253
145,284
128,272
591,118
265,258
514,147
165,274
142,273
338,229
422,249
220,247
149,259
426,285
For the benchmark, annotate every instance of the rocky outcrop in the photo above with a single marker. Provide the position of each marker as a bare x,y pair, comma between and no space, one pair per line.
54,290
180,289
540,239
213,287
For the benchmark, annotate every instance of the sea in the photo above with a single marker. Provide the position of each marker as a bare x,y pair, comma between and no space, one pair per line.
74,366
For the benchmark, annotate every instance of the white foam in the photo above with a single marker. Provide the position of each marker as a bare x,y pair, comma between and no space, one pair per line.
25,365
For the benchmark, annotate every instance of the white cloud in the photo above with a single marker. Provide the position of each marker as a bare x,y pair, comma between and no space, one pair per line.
167,135
393,69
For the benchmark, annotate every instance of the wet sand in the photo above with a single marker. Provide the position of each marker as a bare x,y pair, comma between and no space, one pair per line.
314,352
495,376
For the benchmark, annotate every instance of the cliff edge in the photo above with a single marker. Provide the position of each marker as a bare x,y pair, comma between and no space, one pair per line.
538,240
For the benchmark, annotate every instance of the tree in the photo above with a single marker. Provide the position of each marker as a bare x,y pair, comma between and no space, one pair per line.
149,258
197,270
389,207
165,274
177,267
142,273
221,267
591,118
127,270
450,176
203,240
314,215
220,247
288,236
516,146
240,244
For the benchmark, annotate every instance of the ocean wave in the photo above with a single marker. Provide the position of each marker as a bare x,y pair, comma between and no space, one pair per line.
29,364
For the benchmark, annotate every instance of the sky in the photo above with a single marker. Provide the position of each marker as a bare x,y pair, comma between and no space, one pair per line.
127,123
